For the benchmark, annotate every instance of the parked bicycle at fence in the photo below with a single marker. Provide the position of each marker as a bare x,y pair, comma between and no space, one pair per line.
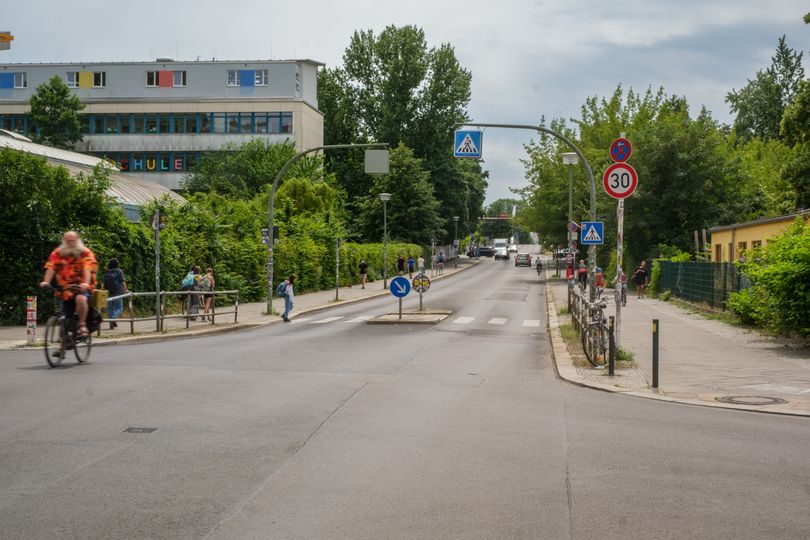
596,334
63,333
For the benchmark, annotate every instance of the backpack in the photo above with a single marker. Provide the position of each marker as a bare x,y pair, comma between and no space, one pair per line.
112,280
93,320
188,281
281,290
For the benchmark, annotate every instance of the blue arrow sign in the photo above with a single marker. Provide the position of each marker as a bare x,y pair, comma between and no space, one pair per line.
593,232
400,286
467,143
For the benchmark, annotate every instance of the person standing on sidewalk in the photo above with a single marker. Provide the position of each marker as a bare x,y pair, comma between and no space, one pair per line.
363,273
401,264
289,296
116,284
640,279
411,264
420,264
207,285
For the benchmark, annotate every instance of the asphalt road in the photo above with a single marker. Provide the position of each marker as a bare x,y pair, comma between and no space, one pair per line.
331,428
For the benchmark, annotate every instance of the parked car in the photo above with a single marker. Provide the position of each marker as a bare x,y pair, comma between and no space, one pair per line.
501,253
486,251
523,259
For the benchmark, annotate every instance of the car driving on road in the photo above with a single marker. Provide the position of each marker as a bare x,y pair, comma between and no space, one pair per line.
523,259
501,253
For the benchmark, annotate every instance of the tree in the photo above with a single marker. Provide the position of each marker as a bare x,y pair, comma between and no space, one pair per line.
393,88
413,211
759,105
55,113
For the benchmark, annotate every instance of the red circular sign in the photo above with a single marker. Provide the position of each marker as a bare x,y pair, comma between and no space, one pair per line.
620,180
621,150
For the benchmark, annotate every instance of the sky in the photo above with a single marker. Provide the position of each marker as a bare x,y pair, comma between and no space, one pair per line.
528,59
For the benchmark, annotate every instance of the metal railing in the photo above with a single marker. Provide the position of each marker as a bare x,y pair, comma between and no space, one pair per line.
161,317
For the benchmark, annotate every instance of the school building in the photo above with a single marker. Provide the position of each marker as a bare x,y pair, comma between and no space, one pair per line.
158,118
730,242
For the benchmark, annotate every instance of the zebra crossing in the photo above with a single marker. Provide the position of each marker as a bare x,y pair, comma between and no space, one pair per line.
461,320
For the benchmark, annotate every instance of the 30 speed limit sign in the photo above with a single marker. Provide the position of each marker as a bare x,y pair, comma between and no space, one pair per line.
620,180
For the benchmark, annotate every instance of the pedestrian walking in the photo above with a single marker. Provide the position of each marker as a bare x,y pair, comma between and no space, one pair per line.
441,262
289,296
582,275
363,273
116,285
207,284
420,264
401,264
640,279
411,264
189,284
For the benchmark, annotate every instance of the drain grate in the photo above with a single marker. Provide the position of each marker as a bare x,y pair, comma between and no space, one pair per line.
751,400
139,430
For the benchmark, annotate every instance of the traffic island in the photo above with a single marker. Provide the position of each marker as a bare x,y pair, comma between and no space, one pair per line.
427,316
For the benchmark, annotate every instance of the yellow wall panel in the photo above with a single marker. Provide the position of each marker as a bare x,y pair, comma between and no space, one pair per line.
85,79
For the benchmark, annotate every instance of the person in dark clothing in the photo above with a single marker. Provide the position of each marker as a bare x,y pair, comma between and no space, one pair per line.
363,274
640,279
115,283
401,264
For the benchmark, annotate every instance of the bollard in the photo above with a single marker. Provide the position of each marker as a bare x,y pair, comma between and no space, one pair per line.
655,354
612,346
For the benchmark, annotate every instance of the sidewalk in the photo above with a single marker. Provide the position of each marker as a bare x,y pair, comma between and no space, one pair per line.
251,315
700,360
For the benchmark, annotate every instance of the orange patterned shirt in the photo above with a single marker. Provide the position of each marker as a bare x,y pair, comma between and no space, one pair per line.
70,270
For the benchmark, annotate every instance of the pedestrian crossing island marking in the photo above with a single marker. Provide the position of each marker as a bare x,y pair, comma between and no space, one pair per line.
467,144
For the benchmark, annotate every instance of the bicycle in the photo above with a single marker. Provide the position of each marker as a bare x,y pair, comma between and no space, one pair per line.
595,336
621,294
62,334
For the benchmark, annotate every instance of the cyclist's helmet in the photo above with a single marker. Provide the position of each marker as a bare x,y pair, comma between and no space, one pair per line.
598,270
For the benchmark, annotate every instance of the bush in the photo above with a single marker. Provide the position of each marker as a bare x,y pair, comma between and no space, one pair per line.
666,295
752,306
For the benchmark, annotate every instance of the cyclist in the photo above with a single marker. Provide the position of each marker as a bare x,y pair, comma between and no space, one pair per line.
74,267
599,282
582,275
538,264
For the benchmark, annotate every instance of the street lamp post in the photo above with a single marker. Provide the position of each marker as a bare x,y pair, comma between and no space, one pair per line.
455,244
385,197
570,159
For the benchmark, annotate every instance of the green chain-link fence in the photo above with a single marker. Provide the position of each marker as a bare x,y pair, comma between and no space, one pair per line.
700,282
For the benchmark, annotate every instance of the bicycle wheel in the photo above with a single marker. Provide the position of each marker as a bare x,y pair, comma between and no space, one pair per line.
82,345
595,344
54,347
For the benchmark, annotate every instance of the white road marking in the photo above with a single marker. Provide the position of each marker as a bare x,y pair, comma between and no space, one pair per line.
464,320
328,320
359,319
497,320
779,388
298,321
531,322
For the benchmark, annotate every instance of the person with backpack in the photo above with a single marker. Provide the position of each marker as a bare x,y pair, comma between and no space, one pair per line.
286,291
115,283
189,284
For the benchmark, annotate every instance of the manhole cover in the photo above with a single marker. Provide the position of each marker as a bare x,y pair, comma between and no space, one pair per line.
751,400
140,430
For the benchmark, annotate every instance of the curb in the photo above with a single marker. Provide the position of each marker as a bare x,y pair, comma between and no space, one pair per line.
564,367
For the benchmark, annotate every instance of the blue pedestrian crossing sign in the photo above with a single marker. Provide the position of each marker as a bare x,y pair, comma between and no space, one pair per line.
400,286
593,232
467,143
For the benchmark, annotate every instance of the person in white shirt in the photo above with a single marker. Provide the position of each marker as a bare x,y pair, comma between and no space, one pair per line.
420,264
289,296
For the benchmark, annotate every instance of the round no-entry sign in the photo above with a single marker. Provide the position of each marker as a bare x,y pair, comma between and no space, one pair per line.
620,180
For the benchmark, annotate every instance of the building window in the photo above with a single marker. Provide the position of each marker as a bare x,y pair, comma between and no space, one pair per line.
246,122
72,79
718,253
125,123
219,123
179,79
150,123
233,77
756,244
163,123
20,80
99,79
286,123
151,79
262,77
